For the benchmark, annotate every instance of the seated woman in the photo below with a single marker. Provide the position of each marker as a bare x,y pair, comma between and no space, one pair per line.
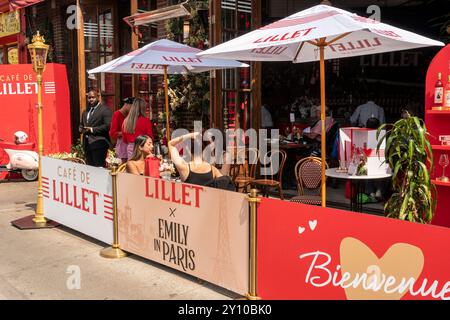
223,164
143,148
197,171
314,132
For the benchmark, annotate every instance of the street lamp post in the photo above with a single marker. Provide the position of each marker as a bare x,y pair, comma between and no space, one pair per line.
38,52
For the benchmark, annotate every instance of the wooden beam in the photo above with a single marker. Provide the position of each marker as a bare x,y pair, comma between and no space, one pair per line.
216,93
255,83
313,43
337,38
134,46
21,46
81,60
212,97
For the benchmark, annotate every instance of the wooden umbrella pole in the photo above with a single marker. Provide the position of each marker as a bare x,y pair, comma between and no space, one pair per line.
322,45
166,92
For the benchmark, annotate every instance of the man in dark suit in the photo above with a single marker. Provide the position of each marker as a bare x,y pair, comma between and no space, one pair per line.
94,124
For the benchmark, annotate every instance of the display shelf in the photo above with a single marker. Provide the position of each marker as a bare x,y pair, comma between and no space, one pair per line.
440,147
440,183
437,126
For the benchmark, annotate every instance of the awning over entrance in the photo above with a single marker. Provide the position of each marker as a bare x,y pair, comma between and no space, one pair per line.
11,5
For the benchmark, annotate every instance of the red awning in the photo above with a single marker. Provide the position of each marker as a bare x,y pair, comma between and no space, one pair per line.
11,5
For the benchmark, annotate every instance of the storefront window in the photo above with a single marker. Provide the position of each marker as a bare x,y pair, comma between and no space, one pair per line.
236,20
100,48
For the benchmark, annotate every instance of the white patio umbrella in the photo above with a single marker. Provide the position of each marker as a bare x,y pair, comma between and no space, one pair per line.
318,33
165,57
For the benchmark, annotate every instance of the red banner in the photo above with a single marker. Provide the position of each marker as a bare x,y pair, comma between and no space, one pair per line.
309,252
18,101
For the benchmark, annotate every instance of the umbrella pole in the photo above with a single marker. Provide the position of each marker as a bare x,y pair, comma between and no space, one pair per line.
166,93
322,45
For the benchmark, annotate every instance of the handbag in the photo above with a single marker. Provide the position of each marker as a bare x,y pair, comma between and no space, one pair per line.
151,168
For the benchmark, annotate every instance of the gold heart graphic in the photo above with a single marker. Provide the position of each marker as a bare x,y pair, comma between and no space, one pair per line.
401,261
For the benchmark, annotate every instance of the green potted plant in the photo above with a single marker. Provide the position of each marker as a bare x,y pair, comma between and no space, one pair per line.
408,152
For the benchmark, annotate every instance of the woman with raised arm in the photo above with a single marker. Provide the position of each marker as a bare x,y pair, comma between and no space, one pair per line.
196,171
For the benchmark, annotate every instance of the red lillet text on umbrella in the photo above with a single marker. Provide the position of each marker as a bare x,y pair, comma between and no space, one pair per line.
182,59
388,33
145,66
270,50
360,44
285,36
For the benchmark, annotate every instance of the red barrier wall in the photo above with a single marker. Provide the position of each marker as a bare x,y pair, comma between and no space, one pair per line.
18,100
309,252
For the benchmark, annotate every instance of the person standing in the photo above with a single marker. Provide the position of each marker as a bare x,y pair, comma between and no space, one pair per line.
366,111
136,124
115,131
266,118
94,125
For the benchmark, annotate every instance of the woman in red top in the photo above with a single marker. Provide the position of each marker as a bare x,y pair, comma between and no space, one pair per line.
115,130
136,124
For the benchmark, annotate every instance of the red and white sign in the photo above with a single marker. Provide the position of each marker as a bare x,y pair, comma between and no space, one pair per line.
79,197
18,101
310,252
195,229
351,138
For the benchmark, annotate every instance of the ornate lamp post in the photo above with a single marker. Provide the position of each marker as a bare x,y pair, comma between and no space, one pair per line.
38,52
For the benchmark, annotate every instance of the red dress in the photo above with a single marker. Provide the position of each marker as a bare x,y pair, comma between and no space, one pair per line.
143,126
116,125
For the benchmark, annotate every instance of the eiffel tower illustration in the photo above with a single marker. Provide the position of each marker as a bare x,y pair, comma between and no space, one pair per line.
124,224
223,266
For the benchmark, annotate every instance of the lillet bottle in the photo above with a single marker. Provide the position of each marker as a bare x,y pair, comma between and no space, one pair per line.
438,91
447,93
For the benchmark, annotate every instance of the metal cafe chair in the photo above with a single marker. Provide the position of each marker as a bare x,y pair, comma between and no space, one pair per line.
273,179
243,170
308,173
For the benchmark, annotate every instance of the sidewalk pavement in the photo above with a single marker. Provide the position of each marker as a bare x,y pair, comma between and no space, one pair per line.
41,264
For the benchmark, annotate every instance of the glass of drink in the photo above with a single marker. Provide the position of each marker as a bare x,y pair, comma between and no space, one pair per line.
443,162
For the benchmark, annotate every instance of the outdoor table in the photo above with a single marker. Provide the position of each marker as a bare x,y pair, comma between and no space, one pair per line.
357,183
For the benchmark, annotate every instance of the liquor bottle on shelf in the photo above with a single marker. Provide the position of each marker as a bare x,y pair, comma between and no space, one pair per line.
447,94
438,91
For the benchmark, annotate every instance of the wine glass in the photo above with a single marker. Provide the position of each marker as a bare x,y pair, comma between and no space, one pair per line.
443,162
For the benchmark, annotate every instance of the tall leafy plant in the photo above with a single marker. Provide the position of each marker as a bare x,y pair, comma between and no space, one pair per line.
408,152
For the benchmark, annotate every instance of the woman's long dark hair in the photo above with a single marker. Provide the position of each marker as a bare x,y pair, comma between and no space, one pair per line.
139,142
